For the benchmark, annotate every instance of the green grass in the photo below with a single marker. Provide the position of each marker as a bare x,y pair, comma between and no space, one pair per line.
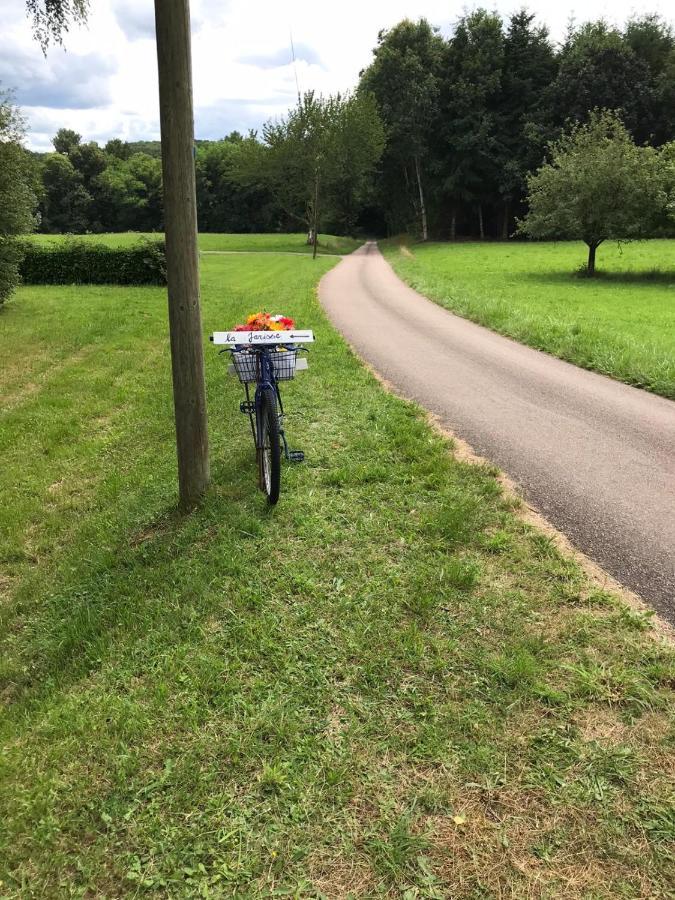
386,686
286,243
621,324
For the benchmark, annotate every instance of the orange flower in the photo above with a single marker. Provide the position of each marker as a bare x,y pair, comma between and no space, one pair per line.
263,321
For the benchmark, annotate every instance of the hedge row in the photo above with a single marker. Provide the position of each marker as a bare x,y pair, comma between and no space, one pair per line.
80,262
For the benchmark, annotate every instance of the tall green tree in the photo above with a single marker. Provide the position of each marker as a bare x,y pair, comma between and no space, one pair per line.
89,160
66,204
303,158
470,106
600,70
119,198
529,67
653,41
598,185
66,140
118,148
148,172
297,158
356,146
224,202
404,78
17,197
128,194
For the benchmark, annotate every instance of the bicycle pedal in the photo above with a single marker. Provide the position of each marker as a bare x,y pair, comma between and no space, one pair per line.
296,455
247,406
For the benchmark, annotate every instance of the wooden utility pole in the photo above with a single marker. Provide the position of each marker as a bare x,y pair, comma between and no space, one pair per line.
172,25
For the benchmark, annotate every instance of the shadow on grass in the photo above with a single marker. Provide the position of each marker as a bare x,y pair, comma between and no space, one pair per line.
153,582
649,278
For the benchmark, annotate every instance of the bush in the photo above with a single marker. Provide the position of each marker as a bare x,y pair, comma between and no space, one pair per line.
10,258
80,262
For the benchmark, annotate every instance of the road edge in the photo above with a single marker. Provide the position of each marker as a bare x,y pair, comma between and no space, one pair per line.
658,627
530,515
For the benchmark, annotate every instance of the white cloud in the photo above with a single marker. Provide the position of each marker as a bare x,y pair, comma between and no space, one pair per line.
282,57
105,84
70,82
137,20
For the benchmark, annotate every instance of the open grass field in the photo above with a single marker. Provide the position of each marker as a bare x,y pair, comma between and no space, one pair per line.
387,686
286,243
621,324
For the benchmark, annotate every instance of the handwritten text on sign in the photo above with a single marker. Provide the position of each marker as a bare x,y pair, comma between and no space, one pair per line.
262,337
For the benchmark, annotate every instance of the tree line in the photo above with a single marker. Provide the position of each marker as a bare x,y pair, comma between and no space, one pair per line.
438,138
468,117
314,166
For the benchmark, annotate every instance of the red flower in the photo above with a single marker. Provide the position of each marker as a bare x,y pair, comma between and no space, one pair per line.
262,321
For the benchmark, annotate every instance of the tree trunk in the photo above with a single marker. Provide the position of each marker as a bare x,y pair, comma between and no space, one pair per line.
423,209
453,223
315,226
481,228
592,247
172,25
505,220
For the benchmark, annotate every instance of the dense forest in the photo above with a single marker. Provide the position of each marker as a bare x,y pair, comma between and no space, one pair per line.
468,117
464,118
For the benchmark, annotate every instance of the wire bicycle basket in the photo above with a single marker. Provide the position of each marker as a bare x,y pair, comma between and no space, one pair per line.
247,364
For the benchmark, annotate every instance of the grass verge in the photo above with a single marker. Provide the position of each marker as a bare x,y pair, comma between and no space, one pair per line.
621,323
283,243
387,686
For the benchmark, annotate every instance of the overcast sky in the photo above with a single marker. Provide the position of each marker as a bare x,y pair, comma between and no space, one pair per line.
104,83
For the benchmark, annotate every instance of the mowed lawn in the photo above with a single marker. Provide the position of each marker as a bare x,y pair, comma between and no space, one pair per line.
621,324
284,243
386,686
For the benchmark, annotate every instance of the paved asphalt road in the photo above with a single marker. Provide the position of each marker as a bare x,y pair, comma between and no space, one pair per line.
596,457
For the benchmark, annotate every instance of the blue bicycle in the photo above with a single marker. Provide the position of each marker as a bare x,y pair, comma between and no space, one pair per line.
265,366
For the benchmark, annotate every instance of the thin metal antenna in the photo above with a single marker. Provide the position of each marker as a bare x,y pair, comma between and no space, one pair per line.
295,69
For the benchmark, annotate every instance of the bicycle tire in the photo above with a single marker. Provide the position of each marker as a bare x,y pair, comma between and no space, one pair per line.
269,454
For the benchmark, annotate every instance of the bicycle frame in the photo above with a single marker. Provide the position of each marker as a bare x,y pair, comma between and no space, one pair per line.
268,433
266,382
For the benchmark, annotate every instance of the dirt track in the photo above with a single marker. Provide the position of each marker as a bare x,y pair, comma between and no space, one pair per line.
596,457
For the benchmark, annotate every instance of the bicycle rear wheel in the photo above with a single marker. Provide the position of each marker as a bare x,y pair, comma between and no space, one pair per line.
269,448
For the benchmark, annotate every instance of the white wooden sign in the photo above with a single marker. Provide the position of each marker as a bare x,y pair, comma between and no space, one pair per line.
262,337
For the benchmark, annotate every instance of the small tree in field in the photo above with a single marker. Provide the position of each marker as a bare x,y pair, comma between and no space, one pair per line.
297,158
318,158
598,185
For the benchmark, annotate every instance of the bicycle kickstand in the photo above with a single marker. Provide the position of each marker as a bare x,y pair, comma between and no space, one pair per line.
291,455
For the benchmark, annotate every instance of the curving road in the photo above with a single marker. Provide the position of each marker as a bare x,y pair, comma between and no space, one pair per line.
595,456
